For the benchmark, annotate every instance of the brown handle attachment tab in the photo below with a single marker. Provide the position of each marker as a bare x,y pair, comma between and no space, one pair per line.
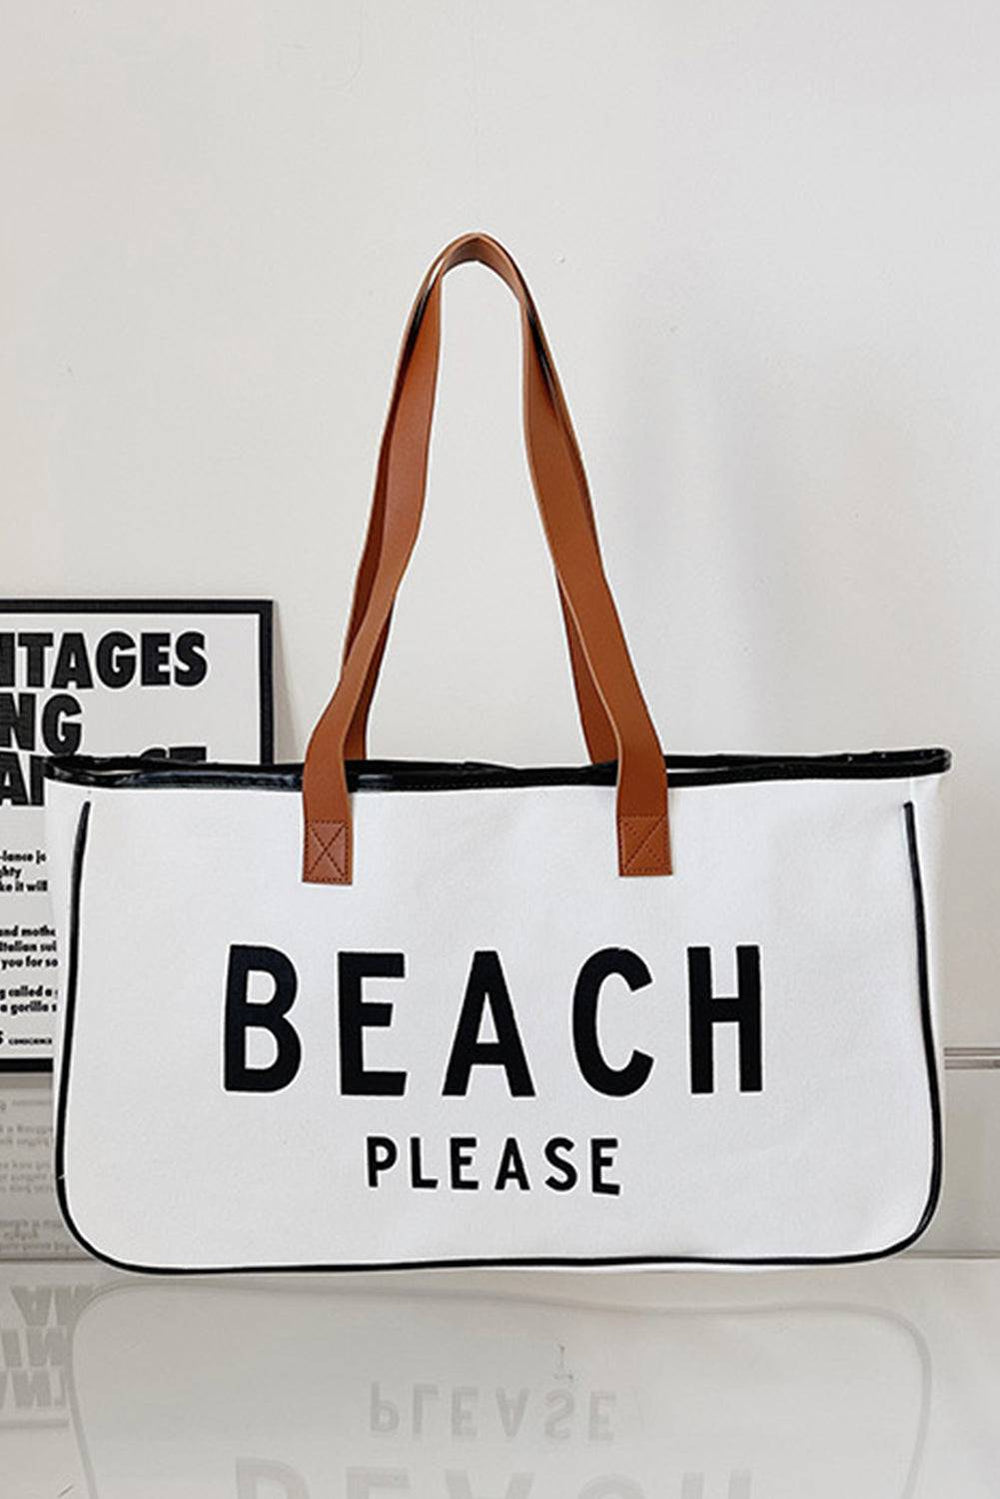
602,665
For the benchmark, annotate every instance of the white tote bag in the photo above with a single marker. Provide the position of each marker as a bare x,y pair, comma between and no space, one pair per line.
368,1013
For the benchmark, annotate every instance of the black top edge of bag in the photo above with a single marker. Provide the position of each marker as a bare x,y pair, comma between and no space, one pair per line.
134,772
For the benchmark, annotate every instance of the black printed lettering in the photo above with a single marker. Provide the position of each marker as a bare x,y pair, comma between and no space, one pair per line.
357,1014
462,1151
383,1154
557,1152
512,1168
155,656
17,720
614,1082
192,668
602,1158
487,985
72,668
243,1014
706,1010
59,735
115,659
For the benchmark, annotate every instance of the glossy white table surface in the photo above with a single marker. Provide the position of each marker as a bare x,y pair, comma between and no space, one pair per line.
880,1380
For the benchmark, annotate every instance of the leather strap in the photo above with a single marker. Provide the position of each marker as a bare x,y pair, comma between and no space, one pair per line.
597,730
596,636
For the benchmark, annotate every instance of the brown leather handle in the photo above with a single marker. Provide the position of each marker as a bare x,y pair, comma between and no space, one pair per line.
597,730
560,488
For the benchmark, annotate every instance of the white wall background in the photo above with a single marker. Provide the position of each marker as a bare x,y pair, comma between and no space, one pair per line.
764,239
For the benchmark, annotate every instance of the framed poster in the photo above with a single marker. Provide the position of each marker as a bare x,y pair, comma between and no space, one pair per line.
31,1227
186,678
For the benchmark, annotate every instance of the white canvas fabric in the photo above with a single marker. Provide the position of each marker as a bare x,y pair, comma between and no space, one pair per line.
820,873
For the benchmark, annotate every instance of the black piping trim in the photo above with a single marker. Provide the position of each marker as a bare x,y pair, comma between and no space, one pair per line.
523,1262
69,1009
131,773
926,1018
